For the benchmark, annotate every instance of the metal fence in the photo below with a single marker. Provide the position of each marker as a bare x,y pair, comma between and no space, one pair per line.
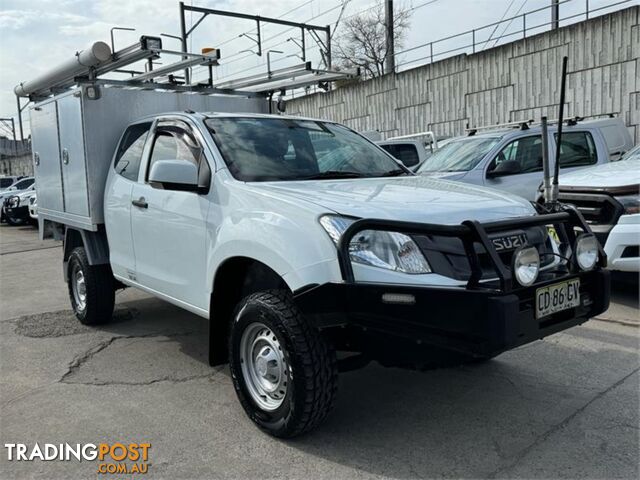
478,39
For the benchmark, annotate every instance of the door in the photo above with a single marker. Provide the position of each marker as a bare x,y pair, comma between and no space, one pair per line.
169,226
525,154
117,211
74,174
46,157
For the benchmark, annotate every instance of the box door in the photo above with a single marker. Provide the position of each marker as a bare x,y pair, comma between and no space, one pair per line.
72,155
46,157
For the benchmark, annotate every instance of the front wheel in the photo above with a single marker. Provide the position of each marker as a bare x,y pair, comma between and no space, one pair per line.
284,372
91,289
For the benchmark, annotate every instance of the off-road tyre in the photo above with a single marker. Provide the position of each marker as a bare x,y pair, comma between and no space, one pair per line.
99,291
313,382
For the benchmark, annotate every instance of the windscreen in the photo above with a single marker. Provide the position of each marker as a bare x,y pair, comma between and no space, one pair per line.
459,155
273,149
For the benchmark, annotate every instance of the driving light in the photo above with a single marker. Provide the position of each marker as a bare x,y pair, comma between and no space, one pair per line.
586,251
382,249
14,202
526,265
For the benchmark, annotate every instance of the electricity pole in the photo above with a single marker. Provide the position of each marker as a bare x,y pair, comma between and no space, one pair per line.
390,60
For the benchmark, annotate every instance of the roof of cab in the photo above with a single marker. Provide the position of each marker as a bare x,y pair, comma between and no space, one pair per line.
205,115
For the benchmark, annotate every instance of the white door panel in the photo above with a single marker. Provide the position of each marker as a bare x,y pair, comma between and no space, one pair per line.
117,207
524,184
169,237
117,217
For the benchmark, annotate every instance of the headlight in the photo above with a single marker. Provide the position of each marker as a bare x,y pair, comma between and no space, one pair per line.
586,251
526,265
630,203
388,250
14,202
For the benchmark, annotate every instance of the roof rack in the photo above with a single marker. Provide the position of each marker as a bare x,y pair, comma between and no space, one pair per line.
522,125
430,134
287,79
525,124
89,66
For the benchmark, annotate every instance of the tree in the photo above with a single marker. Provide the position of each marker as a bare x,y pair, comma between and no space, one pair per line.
362,41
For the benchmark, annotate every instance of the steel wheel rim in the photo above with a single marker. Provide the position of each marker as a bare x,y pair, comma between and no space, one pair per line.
79,288
264,366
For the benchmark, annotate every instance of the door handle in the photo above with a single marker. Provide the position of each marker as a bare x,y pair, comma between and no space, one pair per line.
140,203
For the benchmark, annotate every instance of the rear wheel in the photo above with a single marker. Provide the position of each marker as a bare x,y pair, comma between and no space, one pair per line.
91,289
283,370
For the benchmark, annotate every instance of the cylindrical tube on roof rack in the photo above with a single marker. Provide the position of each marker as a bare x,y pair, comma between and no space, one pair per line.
79,65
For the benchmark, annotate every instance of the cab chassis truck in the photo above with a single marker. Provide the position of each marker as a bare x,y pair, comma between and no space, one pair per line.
296,238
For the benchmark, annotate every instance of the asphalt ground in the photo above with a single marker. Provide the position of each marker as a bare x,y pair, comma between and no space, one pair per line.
563,407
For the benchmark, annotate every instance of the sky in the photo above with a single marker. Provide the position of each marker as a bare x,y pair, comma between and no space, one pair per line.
36,35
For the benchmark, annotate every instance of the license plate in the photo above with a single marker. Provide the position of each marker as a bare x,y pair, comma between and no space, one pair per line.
557,297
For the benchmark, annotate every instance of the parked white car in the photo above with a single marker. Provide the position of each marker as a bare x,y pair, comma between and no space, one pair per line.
22,184
608,197
7,180
411,150
15,208
33,207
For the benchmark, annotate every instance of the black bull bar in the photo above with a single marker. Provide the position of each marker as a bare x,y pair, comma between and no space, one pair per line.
481,318
472,232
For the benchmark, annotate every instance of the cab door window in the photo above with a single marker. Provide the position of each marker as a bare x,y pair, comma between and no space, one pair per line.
129,153
578,149
526,152
173,142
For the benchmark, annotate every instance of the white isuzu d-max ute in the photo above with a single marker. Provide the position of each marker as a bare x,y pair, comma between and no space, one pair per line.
298,238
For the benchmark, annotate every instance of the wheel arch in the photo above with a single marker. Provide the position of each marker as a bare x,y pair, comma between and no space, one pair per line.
233,280
94,243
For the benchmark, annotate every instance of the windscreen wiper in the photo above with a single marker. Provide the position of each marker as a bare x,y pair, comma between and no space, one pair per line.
333,174
394,173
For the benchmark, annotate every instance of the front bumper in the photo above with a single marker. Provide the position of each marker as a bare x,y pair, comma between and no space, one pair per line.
477,323
622,244
488,315
17,213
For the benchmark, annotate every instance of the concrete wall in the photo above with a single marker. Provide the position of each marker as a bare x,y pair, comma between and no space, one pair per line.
20,165
516,81
15,157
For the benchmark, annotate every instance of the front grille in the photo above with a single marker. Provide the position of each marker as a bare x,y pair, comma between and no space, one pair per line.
600,211
447,255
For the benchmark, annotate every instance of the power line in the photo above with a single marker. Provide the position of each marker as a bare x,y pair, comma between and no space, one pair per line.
498,24
253,30
234,55
412,9
497,39
340,5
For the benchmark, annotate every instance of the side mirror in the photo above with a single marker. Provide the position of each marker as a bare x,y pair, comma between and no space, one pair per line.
508,167
174,175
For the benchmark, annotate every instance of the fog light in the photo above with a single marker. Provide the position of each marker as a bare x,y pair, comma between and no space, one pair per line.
586,251
526,265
